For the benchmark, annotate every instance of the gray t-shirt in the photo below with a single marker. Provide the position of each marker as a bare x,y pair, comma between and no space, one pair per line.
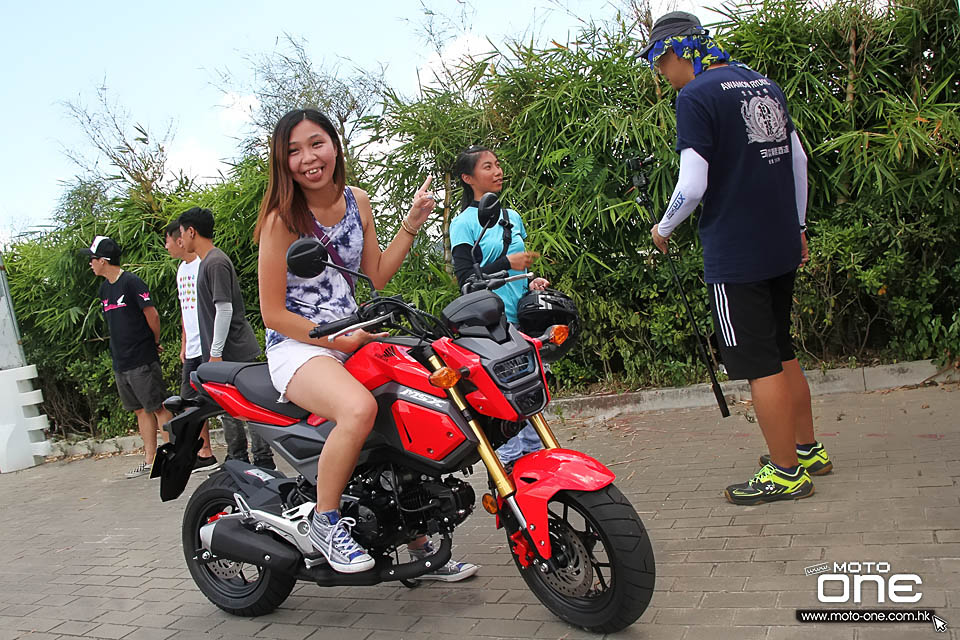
217,282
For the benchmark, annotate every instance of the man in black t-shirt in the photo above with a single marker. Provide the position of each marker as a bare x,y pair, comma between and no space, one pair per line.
134,326
225,333
741,155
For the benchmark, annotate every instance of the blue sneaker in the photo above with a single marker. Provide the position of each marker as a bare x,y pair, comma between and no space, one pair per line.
450,572
330,535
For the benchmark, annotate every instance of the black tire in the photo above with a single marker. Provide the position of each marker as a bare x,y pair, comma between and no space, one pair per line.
241,589
615,590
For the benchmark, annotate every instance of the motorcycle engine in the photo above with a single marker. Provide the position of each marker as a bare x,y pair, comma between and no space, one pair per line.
392,506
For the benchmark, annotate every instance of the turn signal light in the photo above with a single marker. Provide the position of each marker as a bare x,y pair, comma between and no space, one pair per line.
558,334
444,378
489,504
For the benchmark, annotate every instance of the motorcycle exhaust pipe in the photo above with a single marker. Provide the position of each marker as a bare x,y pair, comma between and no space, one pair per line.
384,571
227,539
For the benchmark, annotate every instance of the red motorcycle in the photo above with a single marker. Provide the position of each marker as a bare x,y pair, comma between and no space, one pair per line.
449,392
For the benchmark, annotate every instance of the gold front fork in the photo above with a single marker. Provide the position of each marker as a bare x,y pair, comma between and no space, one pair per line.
543,430
501,480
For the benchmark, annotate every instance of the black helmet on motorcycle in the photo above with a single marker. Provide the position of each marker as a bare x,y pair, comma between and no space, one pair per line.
538,310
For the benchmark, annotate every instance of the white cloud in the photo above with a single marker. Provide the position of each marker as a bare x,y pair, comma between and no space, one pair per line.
196,160
235,112
465,46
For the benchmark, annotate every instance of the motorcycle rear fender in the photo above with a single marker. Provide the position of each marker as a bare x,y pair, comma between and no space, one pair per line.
539,476
174,460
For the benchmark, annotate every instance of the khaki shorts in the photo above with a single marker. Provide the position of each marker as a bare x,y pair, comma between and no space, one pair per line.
141,387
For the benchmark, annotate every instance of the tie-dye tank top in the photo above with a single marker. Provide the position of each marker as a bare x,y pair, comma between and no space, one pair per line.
327,297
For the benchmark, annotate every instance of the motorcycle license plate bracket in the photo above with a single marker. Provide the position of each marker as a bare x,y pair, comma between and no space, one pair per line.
538,477
174,460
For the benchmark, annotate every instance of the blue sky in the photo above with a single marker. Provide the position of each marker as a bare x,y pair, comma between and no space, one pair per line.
159,62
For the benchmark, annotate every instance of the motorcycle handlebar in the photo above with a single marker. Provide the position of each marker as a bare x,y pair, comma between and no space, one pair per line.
336,326
493,281
377,314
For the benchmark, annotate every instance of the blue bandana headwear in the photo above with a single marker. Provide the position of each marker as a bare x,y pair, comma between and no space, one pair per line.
701,50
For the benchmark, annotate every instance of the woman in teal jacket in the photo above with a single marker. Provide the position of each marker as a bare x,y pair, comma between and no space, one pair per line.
479,172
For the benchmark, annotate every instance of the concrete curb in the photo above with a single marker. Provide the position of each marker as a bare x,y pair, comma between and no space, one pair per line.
861,379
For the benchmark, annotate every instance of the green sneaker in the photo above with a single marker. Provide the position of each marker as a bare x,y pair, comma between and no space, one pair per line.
771,484
816,461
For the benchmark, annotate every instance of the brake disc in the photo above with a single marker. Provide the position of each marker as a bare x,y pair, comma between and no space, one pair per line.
575,579
224,569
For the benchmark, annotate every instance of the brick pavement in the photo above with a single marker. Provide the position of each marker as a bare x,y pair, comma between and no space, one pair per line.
88,553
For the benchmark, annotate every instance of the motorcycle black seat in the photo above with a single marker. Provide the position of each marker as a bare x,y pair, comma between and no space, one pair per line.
253,381
223,372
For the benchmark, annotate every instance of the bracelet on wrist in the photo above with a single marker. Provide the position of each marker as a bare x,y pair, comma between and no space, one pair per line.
406,227
803,228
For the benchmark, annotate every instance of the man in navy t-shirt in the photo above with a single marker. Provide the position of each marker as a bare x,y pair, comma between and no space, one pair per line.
741,156
134,326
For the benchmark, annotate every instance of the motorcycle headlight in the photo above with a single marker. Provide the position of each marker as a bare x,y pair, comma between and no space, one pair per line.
515,368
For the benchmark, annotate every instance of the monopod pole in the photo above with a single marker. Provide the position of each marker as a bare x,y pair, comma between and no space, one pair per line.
641,182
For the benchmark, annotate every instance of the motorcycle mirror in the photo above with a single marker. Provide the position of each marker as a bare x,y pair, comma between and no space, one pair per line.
488,211
306,258
488,214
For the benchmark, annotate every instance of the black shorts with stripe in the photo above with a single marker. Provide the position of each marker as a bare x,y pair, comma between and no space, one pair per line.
752,321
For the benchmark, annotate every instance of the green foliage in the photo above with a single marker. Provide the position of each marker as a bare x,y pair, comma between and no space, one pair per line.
873,92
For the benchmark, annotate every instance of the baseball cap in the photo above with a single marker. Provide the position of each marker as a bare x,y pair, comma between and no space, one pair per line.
675,23
103,247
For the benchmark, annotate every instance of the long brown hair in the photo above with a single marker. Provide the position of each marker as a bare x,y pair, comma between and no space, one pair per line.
283,195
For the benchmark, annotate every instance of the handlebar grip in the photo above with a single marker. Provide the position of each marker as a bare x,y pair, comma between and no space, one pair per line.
328,328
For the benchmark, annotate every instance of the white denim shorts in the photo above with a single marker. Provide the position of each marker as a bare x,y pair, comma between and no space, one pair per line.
285,359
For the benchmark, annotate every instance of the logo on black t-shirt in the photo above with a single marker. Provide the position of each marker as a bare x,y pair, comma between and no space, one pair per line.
764,118
120,304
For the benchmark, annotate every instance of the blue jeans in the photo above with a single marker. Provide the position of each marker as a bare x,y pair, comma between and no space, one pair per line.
520,445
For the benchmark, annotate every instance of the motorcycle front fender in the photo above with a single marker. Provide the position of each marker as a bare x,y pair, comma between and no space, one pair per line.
541,475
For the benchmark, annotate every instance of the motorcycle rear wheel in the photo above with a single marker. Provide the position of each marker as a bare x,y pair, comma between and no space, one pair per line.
609,576
241,589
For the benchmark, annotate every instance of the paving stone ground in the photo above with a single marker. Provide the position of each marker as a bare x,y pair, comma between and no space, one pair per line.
85,552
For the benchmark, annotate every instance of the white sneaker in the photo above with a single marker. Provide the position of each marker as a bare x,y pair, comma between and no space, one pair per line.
142,469
330,535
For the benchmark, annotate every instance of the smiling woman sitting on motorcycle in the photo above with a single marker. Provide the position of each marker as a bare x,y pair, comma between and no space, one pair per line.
307,197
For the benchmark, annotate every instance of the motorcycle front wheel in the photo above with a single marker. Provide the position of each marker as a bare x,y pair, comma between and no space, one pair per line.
608,573
241,589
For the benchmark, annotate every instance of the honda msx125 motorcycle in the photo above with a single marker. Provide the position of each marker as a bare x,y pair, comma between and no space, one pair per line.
449,391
